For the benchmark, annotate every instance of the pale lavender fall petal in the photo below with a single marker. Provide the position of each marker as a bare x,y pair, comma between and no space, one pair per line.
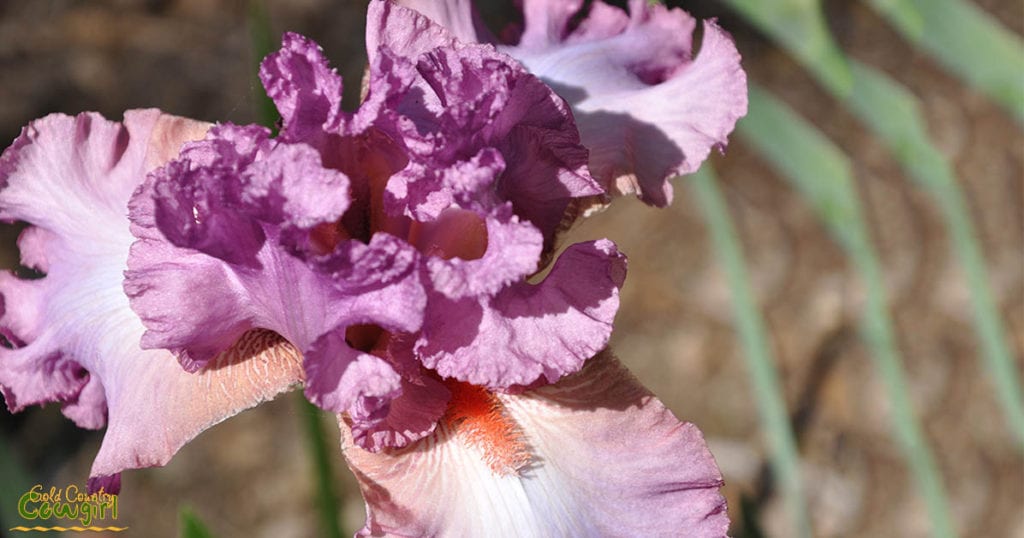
75,338
604,458
646,108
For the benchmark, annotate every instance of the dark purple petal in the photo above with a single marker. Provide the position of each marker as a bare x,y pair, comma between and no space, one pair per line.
200,208
106,483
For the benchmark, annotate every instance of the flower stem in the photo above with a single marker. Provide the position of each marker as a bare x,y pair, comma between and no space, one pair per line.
327,499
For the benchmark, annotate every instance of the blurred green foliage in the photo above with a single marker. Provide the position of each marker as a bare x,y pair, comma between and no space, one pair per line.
972,45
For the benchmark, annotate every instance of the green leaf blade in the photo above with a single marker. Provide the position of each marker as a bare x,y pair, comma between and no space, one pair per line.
191,526
771,403
967,41
821,172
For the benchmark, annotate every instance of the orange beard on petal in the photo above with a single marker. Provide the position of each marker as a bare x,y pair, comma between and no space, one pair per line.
478,418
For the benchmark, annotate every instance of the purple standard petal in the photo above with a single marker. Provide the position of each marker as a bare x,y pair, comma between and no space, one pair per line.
512,251
306,90
293,234
528,332
481,133
593,455
457,16
468,104
73,337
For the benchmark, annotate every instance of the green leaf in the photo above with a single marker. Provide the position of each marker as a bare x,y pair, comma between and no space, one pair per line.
262,45
771,403
327,498
892,112
821,172
967,41
14,484
191,526
895,116
800,26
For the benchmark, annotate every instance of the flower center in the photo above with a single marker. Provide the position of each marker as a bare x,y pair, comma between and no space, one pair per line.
478,417
457,233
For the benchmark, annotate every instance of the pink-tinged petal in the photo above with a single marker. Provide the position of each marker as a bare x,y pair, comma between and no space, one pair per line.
603,457
406,414
306,90
408,417
88,408
90,164
547,21
21,314
604,21
216,223
70,177
74,339
339,376
293,173
301,299
166,139
215,198
528,332
512,251
646,109
391,26
457,16
34,245
155,406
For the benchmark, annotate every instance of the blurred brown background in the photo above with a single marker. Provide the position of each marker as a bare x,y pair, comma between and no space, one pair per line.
251,476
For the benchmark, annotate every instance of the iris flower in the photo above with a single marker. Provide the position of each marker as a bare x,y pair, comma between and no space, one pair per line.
399,262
